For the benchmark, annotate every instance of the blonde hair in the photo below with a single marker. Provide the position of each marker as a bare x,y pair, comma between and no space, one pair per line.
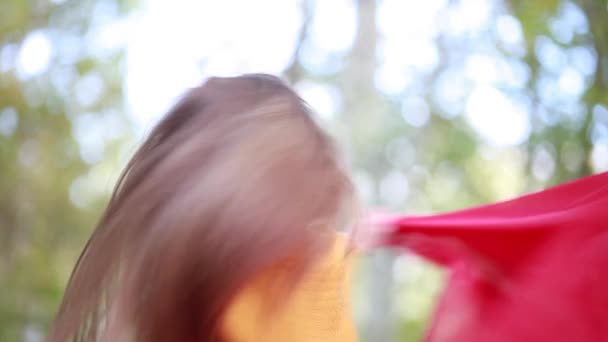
232,181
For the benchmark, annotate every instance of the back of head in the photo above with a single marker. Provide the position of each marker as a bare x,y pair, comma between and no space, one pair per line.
236,178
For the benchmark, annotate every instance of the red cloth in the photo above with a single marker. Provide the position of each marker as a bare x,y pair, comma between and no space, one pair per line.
531,269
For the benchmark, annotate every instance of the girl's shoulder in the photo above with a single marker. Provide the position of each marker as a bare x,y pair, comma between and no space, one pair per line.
318,308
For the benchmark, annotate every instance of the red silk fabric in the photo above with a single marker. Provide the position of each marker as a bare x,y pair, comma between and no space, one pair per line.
530,269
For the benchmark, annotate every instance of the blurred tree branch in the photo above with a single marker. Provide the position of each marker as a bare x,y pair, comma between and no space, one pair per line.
597,16
294,71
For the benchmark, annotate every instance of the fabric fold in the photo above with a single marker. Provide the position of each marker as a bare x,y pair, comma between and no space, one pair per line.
534,268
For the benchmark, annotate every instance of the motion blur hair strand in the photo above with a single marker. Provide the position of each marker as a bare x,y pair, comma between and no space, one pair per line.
227,185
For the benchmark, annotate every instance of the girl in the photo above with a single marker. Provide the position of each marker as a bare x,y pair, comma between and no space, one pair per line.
221,228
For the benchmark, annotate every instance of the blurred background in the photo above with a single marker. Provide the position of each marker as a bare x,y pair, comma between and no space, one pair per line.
438,105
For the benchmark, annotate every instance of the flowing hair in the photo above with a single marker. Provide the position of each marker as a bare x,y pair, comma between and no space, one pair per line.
235,179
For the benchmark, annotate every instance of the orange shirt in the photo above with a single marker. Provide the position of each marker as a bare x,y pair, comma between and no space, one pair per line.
318,310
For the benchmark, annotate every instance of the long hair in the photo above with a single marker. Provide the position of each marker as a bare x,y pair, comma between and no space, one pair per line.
236,178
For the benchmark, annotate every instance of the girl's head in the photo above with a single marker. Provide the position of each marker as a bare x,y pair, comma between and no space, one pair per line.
235,179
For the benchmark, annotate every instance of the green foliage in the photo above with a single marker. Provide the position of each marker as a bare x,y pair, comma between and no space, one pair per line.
42,228
454,167
53,185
